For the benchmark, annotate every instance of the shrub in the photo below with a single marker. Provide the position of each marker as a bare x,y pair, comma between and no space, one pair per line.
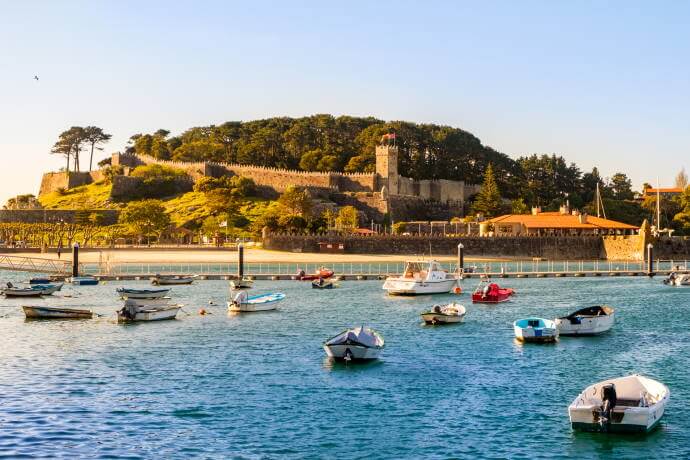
158,180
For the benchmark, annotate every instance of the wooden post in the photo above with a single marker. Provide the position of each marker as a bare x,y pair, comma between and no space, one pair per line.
75,259
240,261
461,258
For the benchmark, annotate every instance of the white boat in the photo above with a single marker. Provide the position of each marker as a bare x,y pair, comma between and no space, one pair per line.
244,283
587,321
34,290
535,330
147,313
261,302
83,280
39,312
444,314
626,404
421,278
360,343
675,279
127,293
161,280
161,301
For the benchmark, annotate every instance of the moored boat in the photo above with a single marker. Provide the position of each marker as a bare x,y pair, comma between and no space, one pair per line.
83,280
421,278
173,280
35,290
322,284
444,314
535,330
40,280
359,343
160,301
147,313
322,272
40,312
129,293
488,292
587,321
626,404
244,283
262,302
675,279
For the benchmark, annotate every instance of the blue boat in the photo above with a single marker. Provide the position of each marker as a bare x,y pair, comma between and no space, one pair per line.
83,280
39,280
535,330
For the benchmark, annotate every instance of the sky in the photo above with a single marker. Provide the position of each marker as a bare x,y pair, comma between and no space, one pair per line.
604,84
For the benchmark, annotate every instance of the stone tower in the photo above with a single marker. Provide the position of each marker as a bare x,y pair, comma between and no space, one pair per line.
387,167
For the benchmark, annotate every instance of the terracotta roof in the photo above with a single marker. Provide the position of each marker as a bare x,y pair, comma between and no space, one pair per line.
649,191
558,220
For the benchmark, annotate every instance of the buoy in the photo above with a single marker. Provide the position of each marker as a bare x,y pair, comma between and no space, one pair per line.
202,311
457,290
211,302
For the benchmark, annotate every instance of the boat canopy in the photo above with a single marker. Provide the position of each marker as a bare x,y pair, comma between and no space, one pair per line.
412,269
358,336
597,310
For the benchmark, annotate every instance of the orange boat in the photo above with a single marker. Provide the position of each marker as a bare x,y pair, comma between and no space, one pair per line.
322,272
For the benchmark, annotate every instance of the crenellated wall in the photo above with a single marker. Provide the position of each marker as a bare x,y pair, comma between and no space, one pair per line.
53,181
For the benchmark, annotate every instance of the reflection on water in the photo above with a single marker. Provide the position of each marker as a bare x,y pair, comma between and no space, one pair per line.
259,385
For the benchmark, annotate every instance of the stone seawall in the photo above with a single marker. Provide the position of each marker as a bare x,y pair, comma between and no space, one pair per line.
547,247
673,248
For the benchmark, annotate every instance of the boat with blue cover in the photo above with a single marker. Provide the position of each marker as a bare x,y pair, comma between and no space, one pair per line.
241,302
83,280
35,290
535,330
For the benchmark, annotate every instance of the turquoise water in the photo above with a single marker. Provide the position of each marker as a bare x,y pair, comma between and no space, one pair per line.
259,386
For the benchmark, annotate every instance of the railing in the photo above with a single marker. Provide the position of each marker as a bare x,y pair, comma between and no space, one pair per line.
383,268
34,264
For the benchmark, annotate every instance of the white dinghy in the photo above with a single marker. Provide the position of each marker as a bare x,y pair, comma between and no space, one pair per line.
675,279
535,330
241,302
623,405
359,343
421,278
587,321
147,313
444,314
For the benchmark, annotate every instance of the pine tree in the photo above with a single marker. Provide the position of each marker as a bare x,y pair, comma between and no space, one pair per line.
488,200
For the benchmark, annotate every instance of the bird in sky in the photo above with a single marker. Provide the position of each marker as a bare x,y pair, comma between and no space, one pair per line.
36,77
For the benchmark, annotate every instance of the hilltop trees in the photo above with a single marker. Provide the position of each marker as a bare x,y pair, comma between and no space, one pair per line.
488,200
71,143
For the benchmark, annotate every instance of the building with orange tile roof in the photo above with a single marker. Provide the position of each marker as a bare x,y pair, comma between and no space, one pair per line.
563,222
667,192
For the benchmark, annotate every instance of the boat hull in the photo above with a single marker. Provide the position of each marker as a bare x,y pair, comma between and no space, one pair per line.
403,287
241,284
152,314
587,326
356,352
536,335
34,312
126,294
439,318
83,281
171,281
22,293
634,420
251,307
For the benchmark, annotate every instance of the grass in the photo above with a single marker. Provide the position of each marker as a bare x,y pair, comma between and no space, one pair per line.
183,208
92,196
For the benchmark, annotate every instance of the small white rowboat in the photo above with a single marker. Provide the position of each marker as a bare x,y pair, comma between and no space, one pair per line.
587,321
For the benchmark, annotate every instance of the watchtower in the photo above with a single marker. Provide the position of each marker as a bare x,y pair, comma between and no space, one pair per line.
387,167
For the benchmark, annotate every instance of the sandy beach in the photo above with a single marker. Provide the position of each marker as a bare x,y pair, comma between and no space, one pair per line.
221,256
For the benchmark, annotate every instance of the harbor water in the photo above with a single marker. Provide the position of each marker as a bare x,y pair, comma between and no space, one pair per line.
259,385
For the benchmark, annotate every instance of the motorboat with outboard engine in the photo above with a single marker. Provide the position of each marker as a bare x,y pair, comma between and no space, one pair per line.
421,278
535,330
171,280
587,321
130,313
488,292
444,314
359,343
677,279
322,272
243,283
128,293
241,302
626,404
322,284
82,280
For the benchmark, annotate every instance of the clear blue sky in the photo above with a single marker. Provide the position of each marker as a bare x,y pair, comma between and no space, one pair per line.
601,83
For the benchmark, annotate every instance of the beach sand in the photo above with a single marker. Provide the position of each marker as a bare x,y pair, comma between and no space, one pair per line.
224,256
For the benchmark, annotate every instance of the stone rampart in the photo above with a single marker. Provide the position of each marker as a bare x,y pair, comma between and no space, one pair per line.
53,181
547,247
623,247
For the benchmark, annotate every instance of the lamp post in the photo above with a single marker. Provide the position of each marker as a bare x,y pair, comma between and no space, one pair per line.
650,260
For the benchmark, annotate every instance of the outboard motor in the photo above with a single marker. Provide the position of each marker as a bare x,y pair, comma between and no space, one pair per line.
608,397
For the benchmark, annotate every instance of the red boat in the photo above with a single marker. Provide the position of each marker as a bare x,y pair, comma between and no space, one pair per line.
488,292
322,272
